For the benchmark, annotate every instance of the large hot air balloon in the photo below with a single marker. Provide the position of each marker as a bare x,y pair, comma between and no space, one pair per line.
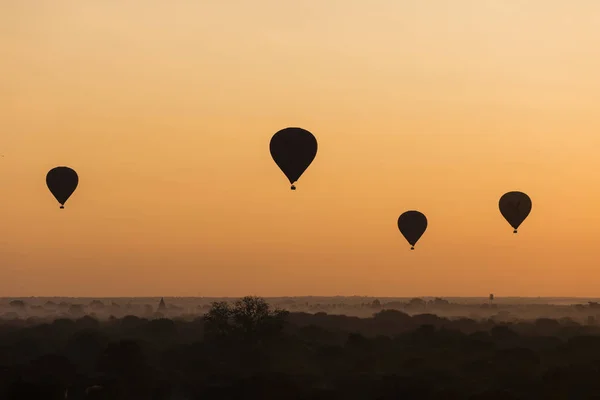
62,182
293,150
515,207
412,225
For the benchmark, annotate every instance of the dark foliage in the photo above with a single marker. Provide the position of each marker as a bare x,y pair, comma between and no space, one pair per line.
247,350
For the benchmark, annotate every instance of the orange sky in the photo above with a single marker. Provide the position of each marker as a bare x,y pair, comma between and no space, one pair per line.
166,109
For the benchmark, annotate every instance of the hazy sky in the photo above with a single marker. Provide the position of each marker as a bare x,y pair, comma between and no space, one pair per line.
166,109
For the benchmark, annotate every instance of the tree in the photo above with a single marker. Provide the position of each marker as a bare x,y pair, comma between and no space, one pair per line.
249,318
252,317
17,304
217,320
440,302
416,302
96,305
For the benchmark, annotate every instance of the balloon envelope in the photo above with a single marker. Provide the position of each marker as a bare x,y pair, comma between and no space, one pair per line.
62,182
412,225
515,207
293,150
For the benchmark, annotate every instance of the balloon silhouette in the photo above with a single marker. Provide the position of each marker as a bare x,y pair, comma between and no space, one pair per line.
515,207
293,150
62,182
412,225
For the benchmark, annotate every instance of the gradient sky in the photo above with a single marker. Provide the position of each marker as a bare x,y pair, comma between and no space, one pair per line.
166,109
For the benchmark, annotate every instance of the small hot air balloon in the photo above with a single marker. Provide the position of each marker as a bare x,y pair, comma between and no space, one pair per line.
412,225
515,207
62,182
293,150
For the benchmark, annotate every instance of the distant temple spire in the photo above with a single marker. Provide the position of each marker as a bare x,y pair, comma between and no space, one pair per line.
162,306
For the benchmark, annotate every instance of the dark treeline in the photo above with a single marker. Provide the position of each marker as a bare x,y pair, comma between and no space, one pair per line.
248,350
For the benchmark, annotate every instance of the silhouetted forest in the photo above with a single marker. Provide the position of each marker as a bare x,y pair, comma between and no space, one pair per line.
250,350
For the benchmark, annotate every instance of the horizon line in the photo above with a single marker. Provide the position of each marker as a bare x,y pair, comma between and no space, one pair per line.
298,296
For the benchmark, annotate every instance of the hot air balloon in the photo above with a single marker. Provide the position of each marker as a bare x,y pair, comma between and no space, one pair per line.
515,207
412,225
62,182
293,150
